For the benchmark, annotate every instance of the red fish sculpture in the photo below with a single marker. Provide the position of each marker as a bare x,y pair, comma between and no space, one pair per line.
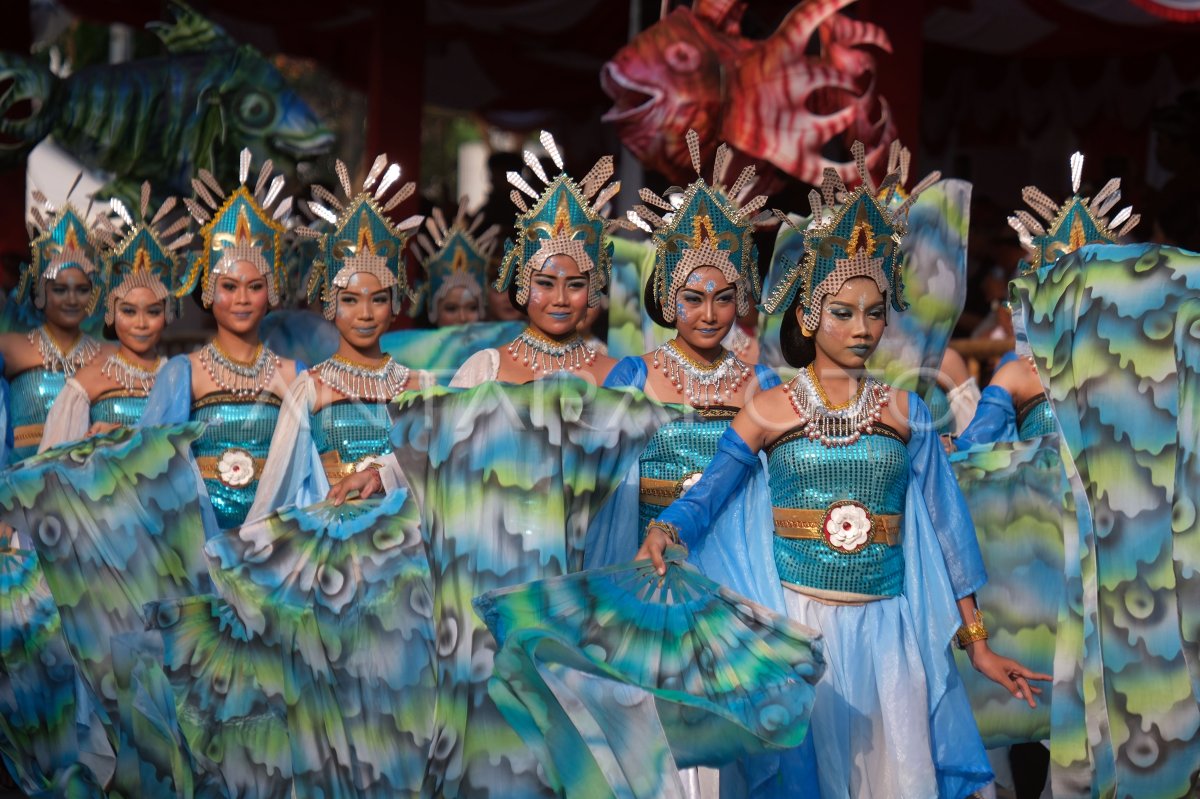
775,104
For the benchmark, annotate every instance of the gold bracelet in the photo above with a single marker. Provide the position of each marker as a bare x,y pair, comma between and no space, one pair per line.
668,529
970,633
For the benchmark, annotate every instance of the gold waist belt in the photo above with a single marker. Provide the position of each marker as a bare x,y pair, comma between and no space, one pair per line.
840,530
28,435
236,474
335,467
664,492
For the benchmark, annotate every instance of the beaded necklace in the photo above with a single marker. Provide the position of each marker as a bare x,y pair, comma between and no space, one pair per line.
543,354
240,378
378,382
54,359
702,384
131,376
840,425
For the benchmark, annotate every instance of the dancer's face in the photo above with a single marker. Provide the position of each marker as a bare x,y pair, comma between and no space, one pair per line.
240,298
458,306
558,297
705,308
67,298
364,310
139,319
852,323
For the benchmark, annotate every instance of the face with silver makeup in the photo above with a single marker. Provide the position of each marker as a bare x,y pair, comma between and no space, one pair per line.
67,298
705,309
558,297
363,312
852,322
240,299
139,318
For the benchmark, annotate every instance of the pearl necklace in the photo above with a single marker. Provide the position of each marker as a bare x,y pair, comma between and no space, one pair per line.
543,354
702,384
54,359
240,378
132,377
377,382
837,426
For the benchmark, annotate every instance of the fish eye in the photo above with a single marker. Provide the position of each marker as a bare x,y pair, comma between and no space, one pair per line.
255,109
682,57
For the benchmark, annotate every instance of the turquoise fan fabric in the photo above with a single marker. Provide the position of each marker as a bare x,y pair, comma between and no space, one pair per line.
116,523
39,740
228,696
507,479
442,350
1016,492
1113,332
342,595
601,669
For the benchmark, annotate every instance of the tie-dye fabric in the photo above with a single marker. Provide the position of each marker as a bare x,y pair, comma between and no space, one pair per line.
507,479
41,744
341,596
599,670
1020,501
1114,333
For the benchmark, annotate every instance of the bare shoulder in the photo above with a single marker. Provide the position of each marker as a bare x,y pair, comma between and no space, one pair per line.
601,367
954,368
895,415
766,416
1018,379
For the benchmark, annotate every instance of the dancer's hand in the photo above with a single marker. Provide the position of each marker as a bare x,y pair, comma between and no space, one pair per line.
99,428
1006,672
366,483
653,547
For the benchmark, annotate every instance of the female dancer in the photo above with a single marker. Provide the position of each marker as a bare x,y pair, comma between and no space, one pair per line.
872,541
554,272
63,280
455,261
1014,406
234,382
141,269
334,420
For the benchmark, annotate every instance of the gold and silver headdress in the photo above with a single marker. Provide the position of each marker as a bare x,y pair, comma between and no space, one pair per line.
142,253
361,237
704,225
238,227
1073,223
567,218
853,234
454,256
59,239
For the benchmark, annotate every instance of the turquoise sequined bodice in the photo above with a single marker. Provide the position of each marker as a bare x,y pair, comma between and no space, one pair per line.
681,448
234,423
873,471
118,407
355,429
1035,419
32,392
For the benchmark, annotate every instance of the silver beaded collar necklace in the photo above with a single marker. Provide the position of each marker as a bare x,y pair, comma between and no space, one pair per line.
838,426
240,378
374,383
702,384
543,354
55,360
131,376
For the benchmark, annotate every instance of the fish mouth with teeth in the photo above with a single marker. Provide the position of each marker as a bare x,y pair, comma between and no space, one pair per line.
630,98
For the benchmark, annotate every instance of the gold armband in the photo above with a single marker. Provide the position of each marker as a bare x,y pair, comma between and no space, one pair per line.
970,633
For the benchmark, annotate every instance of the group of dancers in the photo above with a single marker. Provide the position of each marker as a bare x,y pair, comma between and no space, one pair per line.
674,574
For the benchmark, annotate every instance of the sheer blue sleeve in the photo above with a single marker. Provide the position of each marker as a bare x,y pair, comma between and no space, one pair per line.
766,377
170,401
6,441
731,467
630,372
947,508
995,420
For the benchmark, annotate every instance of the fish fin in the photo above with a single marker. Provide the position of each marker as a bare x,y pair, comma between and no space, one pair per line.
190,32
723,14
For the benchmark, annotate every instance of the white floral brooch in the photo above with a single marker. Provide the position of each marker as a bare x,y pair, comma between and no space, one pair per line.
847,527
